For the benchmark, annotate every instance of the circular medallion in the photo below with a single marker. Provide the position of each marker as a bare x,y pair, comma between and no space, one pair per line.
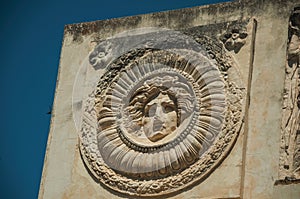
159,120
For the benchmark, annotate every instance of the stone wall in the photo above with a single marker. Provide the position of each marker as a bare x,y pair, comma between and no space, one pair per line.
200,102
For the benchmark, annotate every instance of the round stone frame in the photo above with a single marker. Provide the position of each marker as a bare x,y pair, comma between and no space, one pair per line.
199,170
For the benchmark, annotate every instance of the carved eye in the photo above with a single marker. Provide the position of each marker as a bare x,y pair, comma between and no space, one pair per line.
243,35
150,110
168,107
227,35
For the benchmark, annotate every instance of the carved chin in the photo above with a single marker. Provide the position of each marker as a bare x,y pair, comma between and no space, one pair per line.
158,135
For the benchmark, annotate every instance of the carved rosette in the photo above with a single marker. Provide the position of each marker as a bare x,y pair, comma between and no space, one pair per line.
161,120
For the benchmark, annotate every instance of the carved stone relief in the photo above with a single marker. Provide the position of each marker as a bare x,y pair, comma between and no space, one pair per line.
162,116
234,38
290,140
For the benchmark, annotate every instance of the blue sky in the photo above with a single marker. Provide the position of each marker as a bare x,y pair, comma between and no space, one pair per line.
31,35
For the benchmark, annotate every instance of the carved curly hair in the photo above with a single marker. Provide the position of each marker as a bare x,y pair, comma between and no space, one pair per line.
178,92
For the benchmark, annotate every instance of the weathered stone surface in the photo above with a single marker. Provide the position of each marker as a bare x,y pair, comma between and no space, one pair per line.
290,135
193,107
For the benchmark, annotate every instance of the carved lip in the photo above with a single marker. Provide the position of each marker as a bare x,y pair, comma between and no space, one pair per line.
158,125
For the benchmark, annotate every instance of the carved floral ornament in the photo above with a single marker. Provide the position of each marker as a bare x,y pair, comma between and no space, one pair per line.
234,39
162,116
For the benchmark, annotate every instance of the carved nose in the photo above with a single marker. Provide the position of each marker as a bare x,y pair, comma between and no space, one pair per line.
157,124
158,112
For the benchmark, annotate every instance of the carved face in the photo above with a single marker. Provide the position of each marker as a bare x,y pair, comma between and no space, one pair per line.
160,118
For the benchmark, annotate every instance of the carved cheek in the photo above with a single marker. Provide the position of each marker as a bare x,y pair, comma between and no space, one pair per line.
171,121
241,41
147,125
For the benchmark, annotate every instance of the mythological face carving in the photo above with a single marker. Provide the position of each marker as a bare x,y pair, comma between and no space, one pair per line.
157,108
160,118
